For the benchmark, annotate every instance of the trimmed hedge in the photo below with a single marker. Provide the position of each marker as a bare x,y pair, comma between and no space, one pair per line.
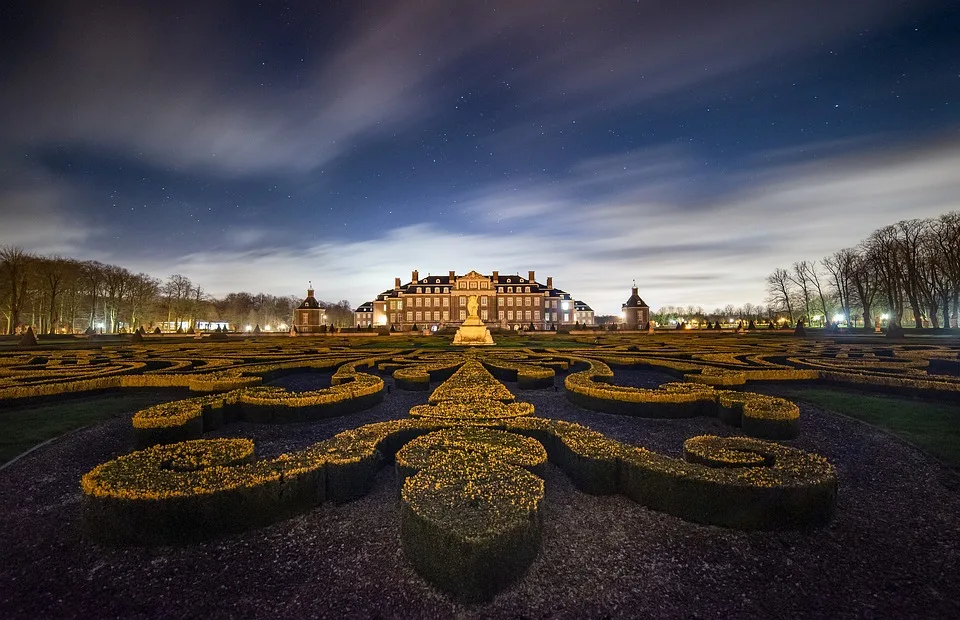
759,416
471,525
188,419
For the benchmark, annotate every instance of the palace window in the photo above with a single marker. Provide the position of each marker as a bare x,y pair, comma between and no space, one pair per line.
419,301
509,315
436,315
419,289
446,315
463,315
528,302
536,315
473,285
500,314
463,300
509,288
419,316
509,301
409,316
527,315
483,315
483,301
526,289
446,302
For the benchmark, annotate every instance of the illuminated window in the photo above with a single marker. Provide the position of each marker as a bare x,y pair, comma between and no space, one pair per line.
526,289
419,301
463,315
500,314
409,316
463,300
527,315
536,315
419,316
509,301
446,315
419,289
509,315
483,315
483,301
436,315
528,302
446,302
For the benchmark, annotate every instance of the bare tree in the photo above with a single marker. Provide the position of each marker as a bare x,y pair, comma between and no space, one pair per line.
15,266
779,291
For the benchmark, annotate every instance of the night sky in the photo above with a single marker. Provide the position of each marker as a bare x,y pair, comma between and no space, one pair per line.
693,146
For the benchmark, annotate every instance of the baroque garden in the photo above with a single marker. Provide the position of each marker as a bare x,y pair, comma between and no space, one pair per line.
465,441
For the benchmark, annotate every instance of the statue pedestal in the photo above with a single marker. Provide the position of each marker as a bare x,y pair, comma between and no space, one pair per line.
473,332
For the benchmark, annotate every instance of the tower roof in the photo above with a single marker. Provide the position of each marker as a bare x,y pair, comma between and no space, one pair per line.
310,302
635,301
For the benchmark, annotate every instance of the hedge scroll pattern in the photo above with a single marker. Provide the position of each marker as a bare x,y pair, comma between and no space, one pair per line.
467,472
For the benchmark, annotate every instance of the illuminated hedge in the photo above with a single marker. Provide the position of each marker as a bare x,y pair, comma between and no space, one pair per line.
180,492
471,410
471,525
782,488
471,382
419,376
189,418
485,443
528,376
759,416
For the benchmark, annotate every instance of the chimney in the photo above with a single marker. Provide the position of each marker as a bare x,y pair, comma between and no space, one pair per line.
531,277
396,283
452,276
549,281
496,275
415,276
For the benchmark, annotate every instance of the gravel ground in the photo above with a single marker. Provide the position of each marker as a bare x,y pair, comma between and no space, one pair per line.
891,550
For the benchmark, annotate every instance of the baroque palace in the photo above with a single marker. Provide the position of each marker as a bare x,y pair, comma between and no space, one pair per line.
507,301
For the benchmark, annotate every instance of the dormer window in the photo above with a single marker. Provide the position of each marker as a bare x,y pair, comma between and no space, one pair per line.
419,290
437,281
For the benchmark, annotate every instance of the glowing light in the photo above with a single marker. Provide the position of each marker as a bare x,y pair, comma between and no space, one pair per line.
382,320
249,328
885,316
283,327
837,318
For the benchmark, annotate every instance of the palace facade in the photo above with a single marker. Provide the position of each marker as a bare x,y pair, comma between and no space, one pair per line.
506,301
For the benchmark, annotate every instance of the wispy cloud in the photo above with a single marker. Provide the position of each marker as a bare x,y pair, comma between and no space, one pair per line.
718,255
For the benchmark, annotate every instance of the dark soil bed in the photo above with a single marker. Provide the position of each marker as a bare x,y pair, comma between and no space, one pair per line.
891,551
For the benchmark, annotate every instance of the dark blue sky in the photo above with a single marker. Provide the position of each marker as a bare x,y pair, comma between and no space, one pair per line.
693,146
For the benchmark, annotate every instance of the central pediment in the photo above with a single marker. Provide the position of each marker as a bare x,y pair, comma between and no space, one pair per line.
473,275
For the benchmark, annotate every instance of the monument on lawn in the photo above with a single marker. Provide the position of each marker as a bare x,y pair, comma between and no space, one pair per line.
473,332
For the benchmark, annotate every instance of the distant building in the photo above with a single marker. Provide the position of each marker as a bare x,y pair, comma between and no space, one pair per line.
364,314
507,301
584,313
636,313
309,315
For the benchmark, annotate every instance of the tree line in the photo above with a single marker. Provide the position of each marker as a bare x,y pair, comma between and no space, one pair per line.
54,294
908,272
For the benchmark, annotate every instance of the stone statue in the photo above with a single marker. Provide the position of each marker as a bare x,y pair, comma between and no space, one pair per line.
472,331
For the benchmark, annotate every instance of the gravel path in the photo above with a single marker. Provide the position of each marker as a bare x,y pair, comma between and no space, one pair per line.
891,551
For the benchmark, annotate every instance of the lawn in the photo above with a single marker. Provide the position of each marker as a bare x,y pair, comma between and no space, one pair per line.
931,426
24,427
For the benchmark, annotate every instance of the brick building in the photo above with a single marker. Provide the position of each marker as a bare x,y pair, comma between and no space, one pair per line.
435,301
